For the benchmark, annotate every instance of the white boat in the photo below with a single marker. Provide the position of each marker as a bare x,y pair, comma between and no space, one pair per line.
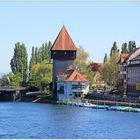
88,105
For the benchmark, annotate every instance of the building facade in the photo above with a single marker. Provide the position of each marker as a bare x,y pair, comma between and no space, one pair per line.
129,73
71,85
63,54
122,73
133,77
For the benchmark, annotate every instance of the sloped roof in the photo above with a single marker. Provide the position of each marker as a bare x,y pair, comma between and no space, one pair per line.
63,42
130,53
125,56
72,76
137,57
76,77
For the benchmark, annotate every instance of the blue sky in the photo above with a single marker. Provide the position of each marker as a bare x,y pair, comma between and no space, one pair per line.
93,25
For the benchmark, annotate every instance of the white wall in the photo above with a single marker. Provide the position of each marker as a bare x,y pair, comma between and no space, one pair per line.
69,92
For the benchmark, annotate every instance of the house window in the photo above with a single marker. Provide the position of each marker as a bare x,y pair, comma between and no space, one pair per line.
79,86
61,89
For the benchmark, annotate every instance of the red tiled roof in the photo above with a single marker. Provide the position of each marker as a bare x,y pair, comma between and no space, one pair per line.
63,41
94,66
130,53
125,56
76,77
72,76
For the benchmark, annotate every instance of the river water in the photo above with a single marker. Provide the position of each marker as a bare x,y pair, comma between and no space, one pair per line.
30,120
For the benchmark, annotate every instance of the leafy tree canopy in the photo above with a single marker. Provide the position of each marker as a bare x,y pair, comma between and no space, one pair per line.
41,76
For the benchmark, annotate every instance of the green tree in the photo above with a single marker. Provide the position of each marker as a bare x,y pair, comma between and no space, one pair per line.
82,62
47,51
124,48
109,70
32,60
131,45
19,62
43,52
114,49
36,55
41,76
10,79
39,55
105,58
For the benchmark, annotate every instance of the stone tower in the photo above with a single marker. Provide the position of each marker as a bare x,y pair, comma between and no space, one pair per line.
63,54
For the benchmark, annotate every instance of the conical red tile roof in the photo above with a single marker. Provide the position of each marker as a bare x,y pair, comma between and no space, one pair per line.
63,42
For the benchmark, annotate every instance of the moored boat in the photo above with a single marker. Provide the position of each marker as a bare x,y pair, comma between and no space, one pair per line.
89,105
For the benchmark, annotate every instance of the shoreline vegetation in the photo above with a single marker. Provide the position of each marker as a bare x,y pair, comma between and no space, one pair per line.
36,75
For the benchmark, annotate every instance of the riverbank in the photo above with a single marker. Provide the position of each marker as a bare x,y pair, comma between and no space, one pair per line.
98,106
93,101
95,104
37,97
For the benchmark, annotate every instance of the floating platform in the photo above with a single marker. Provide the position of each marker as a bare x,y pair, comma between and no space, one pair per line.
94,106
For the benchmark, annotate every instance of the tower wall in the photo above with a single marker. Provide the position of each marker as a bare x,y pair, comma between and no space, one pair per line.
63,53
59,66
